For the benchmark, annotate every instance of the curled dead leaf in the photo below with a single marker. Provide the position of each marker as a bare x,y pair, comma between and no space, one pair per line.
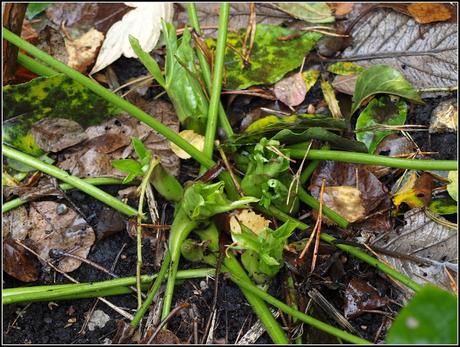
196,140
250,219
82,51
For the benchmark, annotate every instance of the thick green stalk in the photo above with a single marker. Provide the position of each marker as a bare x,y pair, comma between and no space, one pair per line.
216,88
96,181
358,253
205,70
362,158
34,66
297,314
117,286
109,96
156,285
72,180
310,168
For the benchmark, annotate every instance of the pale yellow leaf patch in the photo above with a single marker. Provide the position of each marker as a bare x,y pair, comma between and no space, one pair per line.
196,140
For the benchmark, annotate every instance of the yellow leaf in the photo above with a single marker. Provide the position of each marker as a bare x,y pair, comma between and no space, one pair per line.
196,140
250,219
346,201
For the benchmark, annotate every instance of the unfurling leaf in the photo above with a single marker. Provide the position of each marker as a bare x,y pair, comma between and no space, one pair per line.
382,79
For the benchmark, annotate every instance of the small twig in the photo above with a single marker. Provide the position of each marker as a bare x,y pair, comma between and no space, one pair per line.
452,281
296,178
230,171
171,314
250,33
318,231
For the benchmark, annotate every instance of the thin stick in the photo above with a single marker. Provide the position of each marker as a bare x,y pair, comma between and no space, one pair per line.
318,231
230,171
171,314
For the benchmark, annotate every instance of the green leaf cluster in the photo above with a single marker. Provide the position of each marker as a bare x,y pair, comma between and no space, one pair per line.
263,254
180,79
204,200
134,168
268,178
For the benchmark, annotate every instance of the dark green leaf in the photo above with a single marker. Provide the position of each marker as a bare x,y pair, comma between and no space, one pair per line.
443,206
34,9
57,97
287,136
380,111
429,318
382,79
271,56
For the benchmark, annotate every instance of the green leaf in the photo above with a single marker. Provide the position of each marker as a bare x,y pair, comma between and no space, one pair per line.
18,166
443,206
203,200
345,68
143,153
313,12
150,63
382,79
58,97
270,59
452,187
129,166
288,136
429,318
34,9
380,111
310,77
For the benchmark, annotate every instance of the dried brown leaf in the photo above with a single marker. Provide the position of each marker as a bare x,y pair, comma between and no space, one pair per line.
16,224
291,90
82,51
360,296
18,262
341,8
429,12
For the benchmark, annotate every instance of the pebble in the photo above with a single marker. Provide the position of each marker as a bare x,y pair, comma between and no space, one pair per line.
98,320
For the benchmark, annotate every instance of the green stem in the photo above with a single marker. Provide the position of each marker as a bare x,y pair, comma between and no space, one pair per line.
216,88
310,168
156,285
34,66
297,314
96,181
362,158
117,286
205,70
72,180
292,293
358,253
109,96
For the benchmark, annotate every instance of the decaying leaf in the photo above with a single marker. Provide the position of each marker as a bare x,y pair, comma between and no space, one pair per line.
51,41
56,134
429,12
433,243
55,227
340,9
444,117
291,90
250,219
143,23
425,53
196,140
443,206
360,296
345,84
452,187
18,262
16,224
345,68
346,201
372,191
310,77
331,100
82,51
413,190
271,58
312,12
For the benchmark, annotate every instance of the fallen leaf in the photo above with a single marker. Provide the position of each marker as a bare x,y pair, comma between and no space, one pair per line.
345,68
71,14
196,140
310,77
16,224
346,201
444,117
124,333
413,190
98,320
312,12
331,100
56,134
82,51
379,112
255,222
143,23
434,243
432,48
163,337
109,223
360,296
372,191
34,9
452,187
382,79
345,84
429,12
340,9
291,90
51,41
18,262
270,58
65,231
443,206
